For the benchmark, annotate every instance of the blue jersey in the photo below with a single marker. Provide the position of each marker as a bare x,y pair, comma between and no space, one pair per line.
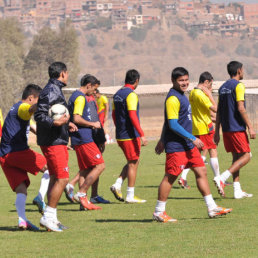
14,133
124,127
84,134
174,142
230,118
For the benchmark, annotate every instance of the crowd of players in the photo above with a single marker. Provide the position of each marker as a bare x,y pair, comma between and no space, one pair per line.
187,131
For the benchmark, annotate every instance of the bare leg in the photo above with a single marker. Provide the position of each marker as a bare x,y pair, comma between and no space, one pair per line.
132,172
202,180
165,187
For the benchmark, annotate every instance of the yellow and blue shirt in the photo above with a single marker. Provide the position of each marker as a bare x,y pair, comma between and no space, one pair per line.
102,101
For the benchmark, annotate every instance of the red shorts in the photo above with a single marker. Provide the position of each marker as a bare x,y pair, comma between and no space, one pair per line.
57,160
16,165
207,140
176,162
102,118
131,148
236,142
88,155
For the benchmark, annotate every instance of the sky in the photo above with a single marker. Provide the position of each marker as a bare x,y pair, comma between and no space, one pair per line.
234,1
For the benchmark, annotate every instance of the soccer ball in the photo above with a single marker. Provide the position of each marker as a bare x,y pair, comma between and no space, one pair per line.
57,110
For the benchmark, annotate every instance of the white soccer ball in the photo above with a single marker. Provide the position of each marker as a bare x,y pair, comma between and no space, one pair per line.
57,111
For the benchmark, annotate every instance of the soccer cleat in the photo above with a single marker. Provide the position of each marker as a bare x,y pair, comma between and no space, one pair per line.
40,204
227,183
99,199
218,211
220,185
76,198
241,195
86,205
163,217
61,226
135,200
27,225
183,183
117,193
69,194
50,224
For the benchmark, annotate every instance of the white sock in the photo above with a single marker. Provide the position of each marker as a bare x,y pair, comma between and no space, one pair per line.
215,166
50,213
130,193
118,183
237,187
20,205
203,158
209,201
44,185
184,173
79,194
69,186
160,207
225,175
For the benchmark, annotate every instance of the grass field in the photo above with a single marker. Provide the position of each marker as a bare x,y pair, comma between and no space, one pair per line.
125,230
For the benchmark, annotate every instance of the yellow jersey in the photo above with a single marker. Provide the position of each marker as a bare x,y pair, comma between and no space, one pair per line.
102,101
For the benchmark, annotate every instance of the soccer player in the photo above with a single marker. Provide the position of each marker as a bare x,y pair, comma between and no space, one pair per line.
16,158
233,118
202,104
129,135
52,137
89,156
103,107
181,148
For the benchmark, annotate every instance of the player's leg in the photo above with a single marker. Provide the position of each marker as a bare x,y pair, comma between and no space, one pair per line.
95,197
69,188
214,162
183,179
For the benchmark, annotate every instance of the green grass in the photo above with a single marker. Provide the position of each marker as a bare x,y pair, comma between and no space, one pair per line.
125,230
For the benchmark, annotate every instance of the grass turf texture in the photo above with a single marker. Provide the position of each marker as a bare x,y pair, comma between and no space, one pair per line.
127,230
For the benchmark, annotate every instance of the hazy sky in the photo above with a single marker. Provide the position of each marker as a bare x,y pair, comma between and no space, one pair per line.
228,1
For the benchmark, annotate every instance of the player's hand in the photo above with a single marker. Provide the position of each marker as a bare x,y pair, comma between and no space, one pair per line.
96,125
252,133
216,138
144,141
207,91
72,127
62,120
198,143
159,147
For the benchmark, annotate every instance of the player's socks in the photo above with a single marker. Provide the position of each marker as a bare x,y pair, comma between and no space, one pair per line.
69,186
203,158
225,175
44,185
184,173
130,193
160,207
118,183
237,188
79,194
214,166
20,206
209,201
50,213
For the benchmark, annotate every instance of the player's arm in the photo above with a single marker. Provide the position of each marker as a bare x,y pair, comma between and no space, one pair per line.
173,107
113,114
213,116
132,102
217,127
160,145
79,105
208,102
24,111
240,98
33,127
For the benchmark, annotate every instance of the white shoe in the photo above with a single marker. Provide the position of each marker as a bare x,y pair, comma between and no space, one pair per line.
218,211
76,198
220,185
134,200
241,195
50,224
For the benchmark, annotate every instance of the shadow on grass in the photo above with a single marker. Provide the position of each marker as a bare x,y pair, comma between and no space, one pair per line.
124,220
191,198
15,228
27,210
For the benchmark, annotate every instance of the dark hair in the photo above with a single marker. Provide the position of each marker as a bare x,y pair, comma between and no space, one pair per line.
88,78
177,72
97,91
232,67
205,76
31,89
131,76
55,69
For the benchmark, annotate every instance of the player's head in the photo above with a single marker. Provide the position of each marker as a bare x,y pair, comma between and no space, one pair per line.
90,83
31,94
97,93
58,70
206,80
235,68
180,79
132,77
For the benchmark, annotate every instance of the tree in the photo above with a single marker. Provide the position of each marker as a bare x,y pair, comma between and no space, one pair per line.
138,34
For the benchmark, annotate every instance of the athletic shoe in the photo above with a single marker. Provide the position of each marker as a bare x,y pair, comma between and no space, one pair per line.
135,200
163,217
241,195
69,194
50,224
183,183
27,225
76,198
218,211
61,226
87,205
99,199
227,183
220,185
117,193
40,204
